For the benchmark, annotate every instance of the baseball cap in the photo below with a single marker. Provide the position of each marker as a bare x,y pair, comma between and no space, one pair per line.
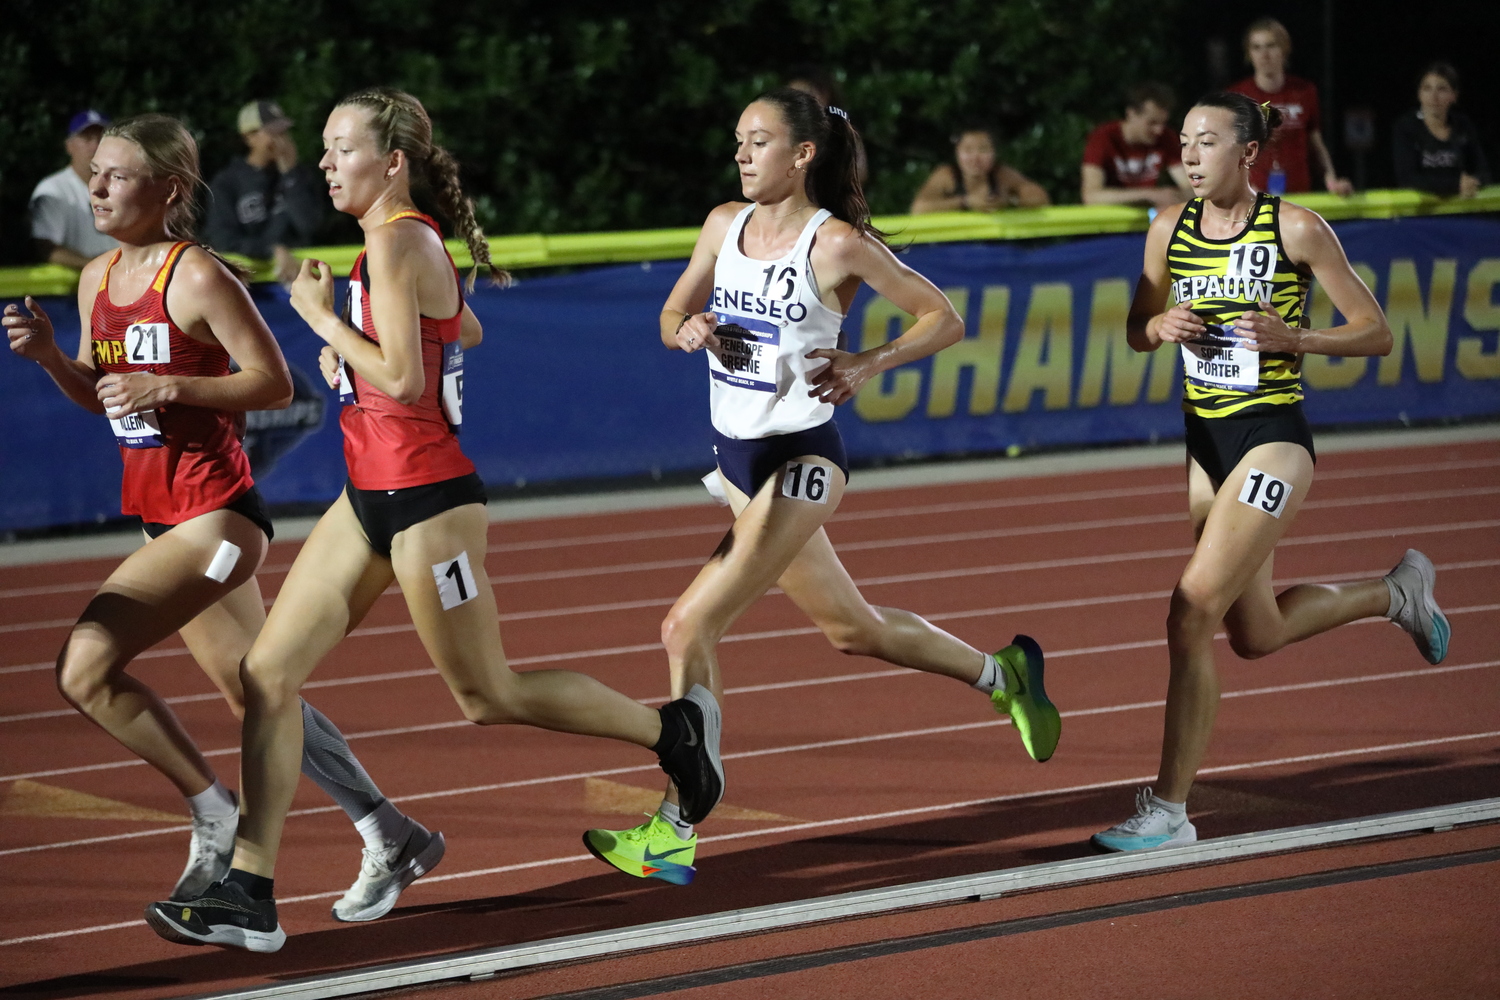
85,119
263,114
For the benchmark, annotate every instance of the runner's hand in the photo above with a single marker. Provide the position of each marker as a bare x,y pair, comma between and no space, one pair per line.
30,336
123,393
841,379
1179,325
697,332
328,364
312,291
1266,332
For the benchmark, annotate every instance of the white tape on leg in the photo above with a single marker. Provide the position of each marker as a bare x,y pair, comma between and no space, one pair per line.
715,487
223,562
455,581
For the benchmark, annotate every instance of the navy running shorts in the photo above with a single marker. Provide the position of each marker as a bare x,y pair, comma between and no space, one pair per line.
749,463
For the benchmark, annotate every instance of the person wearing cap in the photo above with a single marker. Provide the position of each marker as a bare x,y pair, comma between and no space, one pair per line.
62,221
264,203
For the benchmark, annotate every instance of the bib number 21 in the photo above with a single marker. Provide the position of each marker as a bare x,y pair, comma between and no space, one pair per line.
805,481
1265,492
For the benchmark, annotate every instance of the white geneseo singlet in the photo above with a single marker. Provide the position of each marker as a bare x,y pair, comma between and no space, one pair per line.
761,386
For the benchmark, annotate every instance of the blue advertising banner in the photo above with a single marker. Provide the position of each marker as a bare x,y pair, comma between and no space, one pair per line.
571,381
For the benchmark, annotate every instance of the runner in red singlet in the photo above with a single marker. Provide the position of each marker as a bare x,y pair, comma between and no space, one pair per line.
165,318
413,512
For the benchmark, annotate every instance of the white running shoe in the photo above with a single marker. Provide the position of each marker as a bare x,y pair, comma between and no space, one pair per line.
385,873
1418,613
1150,827
210,854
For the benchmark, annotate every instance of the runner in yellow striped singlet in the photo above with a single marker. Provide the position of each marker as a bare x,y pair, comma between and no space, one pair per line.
1225,281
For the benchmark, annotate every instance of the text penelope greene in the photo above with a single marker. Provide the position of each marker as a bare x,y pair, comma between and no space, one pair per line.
738,350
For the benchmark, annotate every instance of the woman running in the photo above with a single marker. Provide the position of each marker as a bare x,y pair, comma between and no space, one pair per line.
778,275
413,512
165,319
1236,265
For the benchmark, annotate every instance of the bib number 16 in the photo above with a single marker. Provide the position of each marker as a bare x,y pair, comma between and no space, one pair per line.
805,481
1264,491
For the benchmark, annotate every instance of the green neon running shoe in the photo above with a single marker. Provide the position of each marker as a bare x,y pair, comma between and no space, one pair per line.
1025,698
651,850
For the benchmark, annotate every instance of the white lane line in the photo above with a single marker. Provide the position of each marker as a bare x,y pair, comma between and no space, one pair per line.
848,821
795,748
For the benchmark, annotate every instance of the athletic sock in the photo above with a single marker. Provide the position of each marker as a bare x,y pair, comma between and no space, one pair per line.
991,677
214,802
382,829
257,887
328,761
1398,600
1177,810
672,813
671,731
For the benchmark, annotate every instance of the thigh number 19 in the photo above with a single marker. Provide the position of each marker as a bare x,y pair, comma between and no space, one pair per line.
1265,492
805,481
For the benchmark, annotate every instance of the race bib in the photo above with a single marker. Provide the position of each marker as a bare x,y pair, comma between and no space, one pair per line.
806,481
346,384
1217,359
749,350
453,384
1264,491
148,344
138,430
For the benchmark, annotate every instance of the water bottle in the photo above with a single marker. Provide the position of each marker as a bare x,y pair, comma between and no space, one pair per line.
1276,182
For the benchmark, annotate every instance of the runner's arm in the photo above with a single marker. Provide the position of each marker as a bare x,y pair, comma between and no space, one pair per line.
1150,323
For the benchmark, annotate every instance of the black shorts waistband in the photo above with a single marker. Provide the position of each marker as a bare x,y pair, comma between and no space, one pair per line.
249,504
383,514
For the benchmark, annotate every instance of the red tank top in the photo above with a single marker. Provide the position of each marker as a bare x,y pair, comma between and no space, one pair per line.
390,445
180,461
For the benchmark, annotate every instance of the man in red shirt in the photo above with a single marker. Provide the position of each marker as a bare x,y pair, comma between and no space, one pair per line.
1285,167
1123,161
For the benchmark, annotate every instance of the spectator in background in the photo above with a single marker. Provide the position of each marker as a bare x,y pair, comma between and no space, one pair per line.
266,203
1436,148
1284,167
1123,161
62,221
977,180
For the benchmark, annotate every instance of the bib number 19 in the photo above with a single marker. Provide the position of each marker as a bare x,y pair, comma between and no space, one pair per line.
1265,492
805,481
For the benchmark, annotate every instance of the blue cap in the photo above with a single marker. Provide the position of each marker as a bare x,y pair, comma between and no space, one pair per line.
85,119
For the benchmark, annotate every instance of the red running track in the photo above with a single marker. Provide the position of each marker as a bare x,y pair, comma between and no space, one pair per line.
861,775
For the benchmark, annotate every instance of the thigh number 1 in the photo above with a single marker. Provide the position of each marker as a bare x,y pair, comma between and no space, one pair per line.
805,481
455,581
1265,492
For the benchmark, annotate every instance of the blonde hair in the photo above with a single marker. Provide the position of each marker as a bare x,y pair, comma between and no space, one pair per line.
1277,31
398,121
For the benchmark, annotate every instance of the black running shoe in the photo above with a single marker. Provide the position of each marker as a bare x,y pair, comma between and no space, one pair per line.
693,764
224,915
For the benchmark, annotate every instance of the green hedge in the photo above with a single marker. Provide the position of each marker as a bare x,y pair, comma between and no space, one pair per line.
586,116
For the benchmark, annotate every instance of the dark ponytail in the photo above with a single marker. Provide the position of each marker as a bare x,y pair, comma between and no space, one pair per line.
399,121
1252,122
833,176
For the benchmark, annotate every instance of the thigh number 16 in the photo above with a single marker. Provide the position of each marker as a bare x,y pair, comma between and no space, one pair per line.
1265,492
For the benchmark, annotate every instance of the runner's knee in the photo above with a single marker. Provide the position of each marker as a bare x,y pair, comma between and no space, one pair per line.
487,708
682,634
1194,609
1250,645
267,687
82,679
856,637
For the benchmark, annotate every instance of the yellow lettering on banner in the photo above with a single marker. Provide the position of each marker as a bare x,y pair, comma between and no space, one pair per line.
1107,353
1320,370
1481,313
1424,324
981,353
1044,357
890,395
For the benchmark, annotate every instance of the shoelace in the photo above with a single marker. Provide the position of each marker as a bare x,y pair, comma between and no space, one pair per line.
1144,811
639,833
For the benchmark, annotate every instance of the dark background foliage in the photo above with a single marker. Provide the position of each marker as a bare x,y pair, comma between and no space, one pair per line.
576,116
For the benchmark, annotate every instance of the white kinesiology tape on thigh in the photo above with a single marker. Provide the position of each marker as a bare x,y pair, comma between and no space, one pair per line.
223,562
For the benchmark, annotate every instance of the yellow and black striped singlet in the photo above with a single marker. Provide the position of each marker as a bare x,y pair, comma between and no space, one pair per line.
1219,280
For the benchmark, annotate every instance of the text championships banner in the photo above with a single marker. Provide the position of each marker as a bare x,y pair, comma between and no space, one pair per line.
571,381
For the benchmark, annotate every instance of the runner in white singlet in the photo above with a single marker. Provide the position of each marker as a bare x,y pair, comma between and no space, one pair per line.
764,295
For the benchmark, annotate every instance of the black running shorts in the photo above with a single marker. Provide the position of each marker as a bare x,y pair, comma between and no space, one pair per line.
250,504
383,513
1217,444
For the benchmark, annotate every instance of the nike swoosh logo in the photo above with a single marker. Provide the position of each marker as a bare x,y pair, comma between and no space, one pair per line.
652,858
692,739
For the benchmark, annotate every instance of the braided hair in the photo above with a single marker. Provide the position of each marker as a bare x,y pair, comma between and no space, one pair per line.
398,121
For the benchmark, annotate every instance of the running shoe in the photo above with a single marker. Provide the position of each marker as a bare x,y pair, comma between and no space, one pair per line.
209,855
223,915
1150,827
651,850
1411,583
1025,698
693,764
383,874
